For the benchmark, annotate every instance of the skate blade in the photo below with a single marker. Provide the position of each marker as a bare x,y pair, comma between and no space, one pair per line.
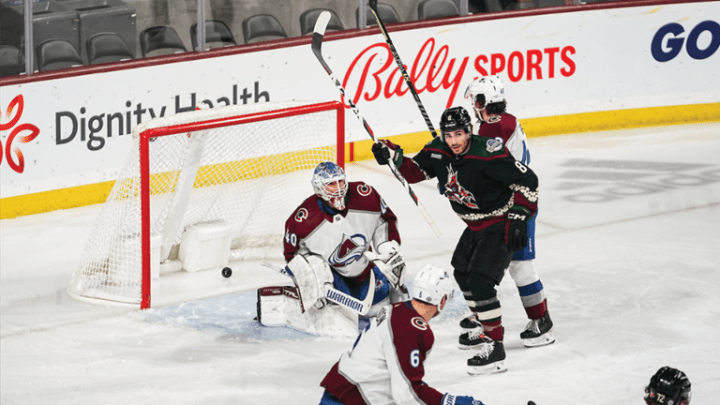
542,340
497,367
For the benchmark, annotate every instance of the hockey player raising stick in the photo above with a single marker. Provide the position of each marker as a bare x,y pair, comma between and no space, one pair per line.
496,196
386,364
343,242
487,96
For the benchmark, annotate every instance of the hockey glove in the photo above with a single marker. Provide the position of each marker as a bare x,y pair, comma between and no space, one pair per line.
449,399
516,237
389,261
381,150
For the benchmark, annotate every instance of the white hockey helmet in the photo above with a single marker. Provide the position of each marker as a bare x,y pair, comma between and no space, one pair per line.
484,91
329,183
431,284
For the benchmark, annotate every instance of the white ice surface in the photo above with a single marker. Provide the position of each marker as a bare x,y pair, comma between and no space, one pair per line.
628,247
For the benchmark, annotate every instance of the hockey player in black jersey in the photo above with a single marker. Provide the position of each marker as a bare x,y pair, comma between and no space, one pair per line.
495,195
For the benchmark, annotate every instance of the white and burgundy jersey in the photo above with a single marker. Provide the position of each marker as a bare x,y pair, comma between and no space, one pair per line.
507,129
342,238
386,365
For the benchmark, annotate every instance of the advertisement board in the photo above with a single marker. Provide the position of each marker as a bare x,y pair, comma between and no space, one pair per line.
75,131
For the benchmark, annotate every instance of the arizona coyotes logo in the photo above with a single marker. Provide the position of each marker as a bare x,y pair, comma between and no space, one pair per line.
349,250
454,191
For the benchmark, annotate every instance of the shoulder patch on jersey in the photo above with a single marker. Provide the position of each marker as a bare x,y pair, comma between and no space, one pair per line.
419,323
364,189
494,145
301,214
436,156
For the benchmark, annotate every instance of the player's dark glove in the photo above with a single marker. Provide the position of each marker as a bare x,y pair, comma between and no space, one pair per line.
516,237
381,151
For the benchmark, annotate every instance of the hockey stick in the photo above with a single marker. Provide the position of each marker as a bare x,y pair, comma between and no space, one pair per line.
335,295
373,7
317,39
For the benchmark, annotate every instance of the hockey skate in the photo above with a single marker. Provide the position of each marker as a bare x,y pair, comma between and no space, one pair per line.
538,332
472,339
491,359
470,323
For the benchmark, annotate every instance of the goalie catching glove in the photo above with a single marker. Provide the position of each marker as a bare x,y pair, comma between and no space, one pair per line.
389,261
381,150
516,236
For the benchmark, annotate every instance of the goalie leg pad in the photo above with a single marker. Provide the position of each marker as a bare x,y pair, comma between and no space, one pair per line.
311,274
333,320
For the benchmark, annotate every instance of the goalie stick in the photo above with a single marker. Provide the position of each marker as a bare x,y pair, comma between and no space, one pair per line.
316,45
335,295
421,107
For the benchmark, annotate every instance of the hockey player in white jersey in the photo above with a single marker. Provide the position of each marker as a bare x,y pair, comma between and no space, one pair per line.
342,246
386,364
487,96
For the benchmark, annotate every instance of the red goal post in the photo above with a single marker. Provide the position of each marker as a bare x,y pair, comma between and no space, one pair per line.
202,182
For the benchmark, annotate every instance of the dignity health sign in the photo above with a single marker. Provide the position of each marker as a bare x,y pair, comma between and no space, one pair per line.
75,131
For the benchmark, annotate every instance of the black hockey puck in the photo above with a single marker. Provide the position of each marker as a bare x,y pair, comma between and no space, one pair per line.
227,272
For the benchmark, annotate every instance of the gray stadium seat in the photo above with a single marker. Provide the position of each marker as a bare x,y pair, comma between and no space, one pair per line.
428,9
262,26
216,32
107,47
387,12
56,53
160,38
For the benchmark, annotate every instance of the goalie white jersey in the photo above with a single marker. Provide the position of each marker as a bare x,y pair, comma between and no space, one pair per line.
341,238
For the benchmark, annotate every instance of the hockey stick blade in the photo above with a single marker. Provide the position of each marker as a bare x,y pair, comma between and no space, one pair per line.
318,34
401,67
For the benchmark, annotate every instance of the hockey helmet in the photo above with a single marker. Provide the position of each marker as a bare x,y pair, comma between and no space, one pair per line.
431,284
484,91
455,118
330,185
668,386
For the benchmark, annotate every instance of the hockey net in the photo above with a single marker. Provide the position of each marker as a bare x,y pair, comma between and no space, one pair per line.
203,188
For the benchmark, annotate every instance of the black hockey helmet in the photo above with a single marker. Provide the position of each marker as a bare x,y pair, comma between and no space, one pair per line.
455,118
668,386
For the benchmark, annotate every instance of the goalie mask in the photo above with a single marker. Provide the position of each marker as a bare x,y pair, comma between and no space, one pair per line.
484,91
668,386
431,284
329,184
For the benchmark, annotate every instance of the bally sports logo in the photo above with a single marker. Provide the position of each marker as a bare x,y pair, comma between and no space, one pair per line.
22,133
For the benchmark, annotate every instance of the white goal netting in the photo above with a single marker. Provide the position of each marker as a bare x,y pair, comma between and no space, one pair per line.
211,180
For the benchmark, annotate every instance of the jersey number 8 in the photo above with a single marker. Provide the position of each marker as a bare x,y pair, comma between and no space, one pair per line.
521,166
